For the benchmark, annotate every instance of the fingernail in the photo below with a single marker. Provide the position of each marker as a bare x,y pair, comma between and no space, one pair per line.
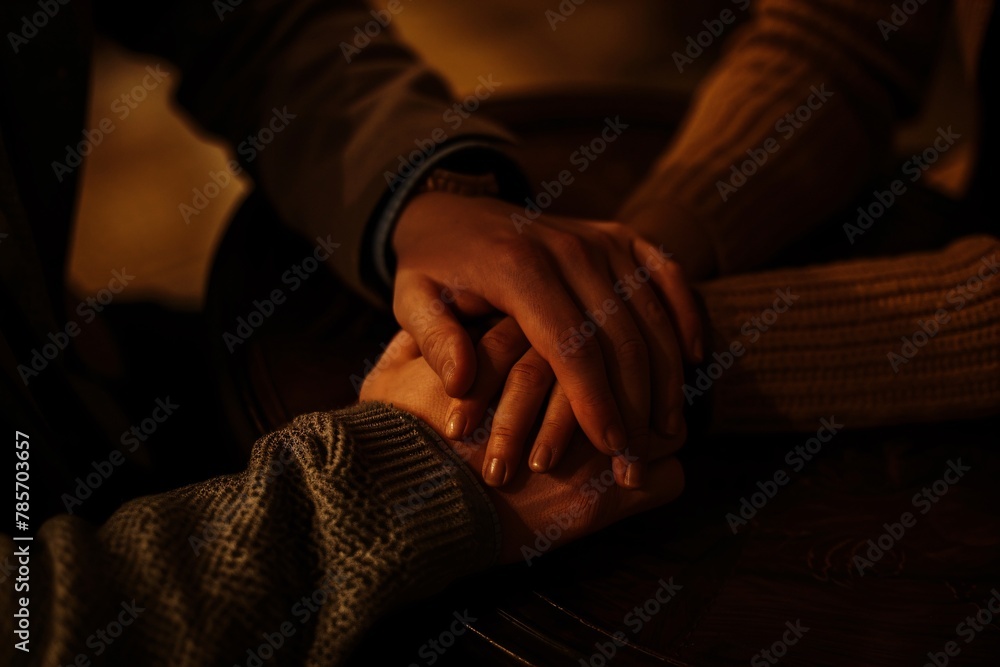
699,350
495,473
615,440
456,426
541,459
675,422
633,475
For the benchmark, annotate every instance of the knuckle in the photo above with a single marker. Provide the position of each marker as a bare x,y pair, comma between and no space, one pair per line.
554,428
632,352
573,346
500,341
592,400
516,256
527,376
654,311
572,245
503,438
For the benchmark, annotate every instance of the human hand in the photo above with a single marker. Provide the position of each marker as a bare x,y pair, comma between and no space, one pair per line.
580,498
507,362
608,362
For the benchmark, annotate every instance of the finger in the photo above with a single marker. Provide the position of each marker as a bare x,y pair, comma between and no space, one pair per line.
666,362
669,278
496,353
556,432
443,341
664,484
523,396
550,319
627,352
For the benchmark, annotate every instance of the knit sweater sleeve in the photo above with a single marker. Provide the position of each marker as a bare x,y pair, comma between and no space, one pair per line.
871,342
337,517
793,120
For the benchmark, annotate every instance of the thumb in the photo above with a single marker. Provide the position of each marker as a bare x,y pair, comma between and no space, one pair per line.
420,309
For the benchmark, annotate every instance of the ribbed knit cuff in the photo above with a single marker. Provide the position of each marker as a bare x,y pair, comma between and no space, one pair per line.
871,342
448,523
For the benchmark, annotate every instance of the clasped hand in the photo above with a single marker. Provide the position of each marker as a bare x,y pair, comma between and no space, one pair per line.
600,323
579,489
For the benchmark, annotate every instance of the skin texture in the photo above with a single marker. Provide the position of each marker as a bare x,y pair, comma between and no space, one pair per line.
580,496
608,318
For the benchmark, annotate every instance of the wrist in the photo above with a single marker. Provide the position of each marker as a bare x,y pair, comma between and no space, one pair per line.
441,185
470,167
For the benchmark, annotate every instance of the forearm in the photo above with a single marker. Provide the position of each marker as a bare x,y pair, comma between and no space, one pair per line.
806,96
317,538
871,342
326,122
